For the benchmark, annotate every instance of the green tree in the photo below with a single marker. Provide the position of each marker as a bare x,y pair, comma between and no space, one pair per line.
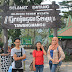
26,2
65,5
13,33
68,5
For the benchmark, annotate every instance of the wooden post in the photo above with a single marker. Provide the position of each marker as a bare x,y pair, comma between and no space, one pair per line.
55,32
55,29
5,40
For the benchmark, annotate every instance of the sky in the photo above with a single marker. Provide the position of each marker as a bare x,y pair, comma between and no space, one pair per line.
49,1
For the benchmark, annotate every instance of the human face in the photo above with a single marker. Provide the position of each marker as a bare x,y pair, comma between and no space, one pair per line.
54,40
17,42
38,45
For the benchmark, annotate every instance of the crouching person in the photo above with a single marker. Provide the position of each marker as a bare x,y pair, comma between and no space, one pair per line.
18,55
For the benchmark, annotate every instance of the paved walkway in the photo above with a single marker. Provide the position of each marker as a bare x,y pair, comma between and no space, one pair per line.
65,67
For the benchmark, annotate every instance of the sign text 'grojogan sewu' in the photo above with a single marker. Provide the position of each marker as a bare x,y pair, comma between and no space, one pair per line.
21,19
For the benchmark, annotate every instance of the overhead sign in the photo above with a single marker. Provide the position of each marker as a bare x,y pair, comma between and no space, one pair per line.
19,17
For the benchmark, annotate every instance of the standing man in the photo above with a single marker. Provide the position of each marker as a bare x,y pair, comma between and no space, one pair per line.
18,55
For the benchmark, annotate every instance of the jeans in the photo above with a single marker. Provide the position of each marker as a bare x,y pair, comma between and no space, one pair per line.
52,67
39,68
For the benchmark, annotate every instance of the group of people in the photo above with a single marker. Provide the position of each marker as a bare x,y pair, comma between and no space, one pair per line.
55,56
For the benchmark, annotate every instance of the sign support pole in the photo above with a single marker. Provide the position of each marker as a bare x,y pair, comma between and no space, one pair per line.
5,40
55,32
55,29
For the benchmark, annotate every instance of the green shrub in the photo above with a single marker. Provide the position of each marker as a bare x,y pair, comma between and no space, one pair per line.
67,57
1,44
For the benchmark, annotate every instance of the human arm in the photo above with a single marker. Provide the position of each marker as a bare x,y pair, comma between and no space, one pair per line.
19,58
43,50
61,54
34,64
34,55
15,56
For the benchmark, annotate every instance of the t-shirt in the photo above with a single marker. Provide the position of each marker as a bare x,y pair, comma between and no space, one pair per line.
51,54
18,53
39,60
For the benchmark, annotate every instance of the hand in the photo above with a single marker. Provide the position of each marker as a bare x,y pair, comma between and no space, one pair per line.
57,61
42,47
52,60
15,55
34,68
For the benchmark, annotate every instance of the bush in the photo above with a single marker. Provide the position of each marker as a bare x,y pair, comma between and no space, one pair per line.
67,57
1,44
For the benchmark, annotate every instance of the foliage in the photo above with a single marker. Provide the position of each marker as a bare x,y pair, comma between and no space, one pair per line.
13,33
63,23
68,5
26,2
67,57
34,32
1,44
65,5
